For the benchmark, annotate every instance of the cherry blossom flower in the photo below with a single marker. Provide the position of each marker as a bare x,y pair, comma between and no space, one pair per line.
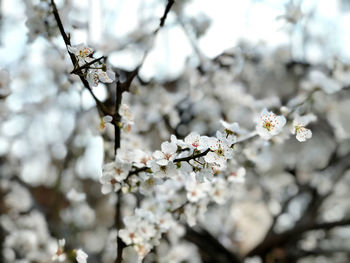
163,171
195,141
60,256
97,71
220,192
220,151
196,190
302,133
148,182
127,117
141,158
81,256
113,174
206,172
130,235
231,128
93,76
269,124
237,176
104,121
167,154
142,230
81,51
142,249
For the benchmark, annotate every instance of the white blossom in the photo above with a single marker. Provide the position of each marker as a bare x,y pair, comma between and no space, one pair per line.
269,124
302,133
75,196
60,256
93,76
231,128
163,171
113,174
81,256
105,121
237,176
196,190
127,117
168,153
220,151
81,51
195,141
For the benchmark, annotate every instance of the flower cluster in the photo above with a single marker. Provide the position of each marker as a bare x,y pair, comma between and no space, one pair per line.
183,177
95,71
200,155
114,173
61,255
144,229
40,21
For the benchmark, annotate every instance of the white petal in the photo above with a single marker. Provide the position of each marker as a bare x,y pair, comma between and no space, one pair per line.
162,162
264,112
72,50
107,118
281,121
211,157
106,188
168,147
158,155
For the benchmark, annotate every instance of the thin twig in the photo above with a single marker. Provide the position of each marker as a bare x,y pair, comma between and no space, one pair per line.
77,70
194,156
166,11
102,109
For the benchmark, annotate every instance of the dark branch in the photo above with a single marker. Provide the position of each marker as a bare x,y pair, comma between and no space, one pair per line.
307,222
102,109
192,157
75,71
210,249
166,11
120,88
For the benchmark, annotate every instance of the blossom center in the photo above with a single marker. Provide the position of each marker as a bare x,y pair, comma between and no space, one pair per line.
113,181
118,170
268,125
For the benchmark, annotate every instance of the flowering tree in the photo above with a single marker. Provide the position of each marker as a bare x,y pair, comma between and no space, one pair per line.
243,157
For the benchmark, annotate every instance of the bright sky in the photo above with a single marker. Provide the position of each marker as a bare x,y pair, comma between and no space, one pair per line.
232,20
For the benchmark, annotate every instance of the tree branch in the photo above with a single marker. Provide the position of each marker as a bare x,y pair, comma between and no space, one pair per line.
211,250
78,69
102,109
338,166
166,11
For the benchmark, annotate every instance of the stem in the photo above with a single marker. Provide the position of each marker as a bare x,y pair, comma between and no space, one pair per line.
194,156
75,71
191,157
118,216
166,11
118,225
102,109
